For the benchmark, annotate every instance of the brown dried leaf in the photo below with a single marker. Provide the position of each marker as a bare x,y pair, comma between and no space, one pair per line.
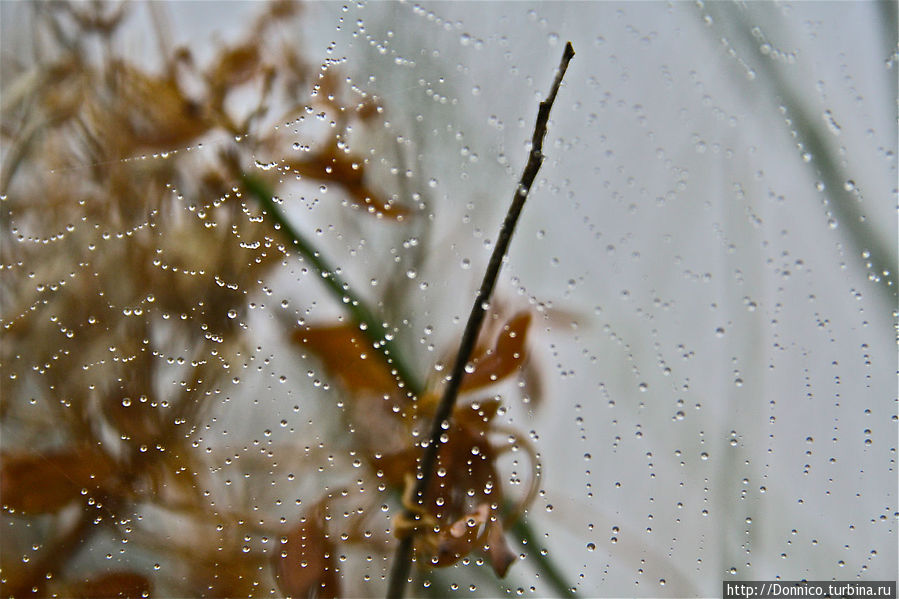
477,416
210,560
235,66
283,9
125,585
150,113
498,552
533,383
348,171
329,167
396,465
38,483
349,356
327,90
224,576
65,87
364,197
136,419
459,539
368,109
304,566
507,356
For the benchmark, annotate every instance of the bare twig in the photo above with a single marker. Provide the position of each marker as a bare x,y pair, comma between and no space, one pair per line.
364,314
402,560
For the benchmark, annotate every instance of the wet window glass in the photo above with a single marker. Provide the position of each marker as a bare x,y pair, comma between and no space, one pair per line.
242,244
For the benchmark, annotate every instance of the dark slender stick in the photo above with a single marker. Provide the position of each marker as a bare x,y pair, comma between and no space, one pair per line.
402,559
365,314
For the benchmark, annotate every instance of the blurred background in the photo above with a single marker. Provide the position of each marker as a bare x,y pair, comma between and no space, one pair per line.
707,387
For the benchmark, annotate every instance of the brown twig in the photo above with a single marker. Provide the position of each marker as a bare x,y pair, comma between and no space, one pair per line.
402,560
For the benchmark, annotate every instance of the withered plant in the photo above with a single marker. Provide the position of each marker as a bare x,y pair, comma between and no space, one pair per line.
143,212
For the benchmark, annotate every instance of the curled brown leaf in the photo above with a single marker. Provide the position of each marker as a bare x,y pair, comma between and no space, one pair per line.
305,564
507,356
44,482
348,172
498,552
348,355
113,585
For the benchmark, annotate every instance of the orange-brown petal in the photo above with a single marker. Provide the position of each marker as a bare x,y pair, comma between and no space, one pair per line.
119,585
348,355
38,483
508,354
304,564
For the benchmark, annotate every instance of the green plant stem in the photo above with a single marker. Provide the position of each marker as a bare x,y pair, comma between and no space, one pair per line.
525,536
377,332
402,561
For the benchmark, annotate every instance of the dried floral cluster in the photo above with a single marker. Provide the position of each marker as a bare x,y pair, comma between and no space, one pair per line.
463,511
131,245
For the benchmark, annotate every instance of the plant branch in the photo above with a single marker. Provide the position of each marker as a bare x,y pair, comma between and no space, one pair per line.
362,313
402,559
525,536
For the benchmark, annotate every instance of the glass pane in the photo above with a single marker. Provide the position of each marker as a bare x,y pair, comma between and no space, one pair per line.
241,242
